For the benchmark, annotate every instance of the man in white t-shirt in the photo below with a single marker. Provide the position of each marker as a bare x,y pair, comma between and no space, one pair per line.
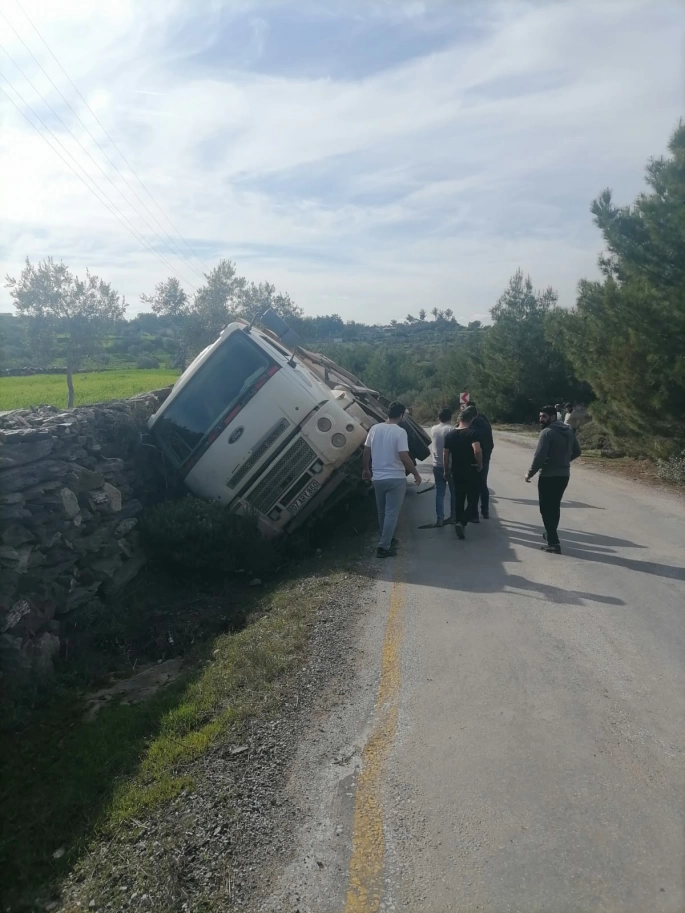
386,452
438,433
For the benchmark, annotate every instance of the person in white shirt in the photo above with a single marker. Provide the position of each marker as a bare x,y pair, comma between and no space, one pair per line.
386,454
438,433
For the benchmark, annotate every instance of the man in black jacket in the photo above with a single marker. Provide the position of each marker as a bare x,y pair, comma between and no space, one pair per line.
557,447
483,429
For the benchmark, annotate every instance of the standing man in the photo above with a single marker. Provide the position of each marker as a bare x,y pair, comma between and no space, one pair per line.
483,429
442,478
463,446
387,451
557,447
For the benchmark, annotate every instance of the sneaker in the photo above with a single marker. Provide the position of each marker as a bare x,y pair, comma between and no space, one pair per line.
394,543
385,552
459,530
552,549
449,521
486,514
439,523
475,519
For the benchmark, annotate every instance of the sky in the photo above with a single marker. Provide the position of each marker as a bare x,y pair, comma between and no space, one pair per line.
369,157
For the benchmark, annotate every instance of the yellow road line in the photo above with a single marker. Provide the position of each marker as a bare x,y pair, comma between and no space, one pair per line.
366,864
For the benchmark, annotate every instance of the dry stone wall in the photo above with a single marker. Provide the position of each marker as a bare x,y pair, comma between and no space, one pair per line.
72,485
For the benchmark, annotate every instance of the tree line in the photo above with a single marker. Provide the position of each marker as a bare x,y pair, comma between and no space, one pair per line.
620,348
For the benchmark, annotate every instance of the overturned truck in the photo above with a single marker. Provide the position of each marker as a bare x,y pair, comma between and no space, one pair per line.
266,427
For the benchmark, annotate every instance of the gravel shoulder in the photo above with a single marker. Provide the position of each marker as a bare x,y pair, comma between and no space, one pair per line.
216,845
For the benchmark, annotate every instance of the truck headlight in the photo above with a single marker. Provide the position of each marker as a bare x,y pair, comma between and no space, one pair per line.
324,424
339,440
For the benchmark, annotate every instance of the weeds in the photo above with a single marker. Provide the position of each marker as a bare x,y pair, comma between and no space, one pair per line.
673,469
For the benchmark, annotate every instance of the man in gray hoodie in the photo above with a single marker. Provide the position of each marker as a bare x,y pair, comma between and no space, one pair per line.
557,447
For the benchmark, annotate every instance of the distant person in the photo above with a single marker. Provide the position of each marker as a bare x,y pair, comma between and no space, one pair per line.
556,449
575,415
462,445
386,452
560,412
442,478
483,429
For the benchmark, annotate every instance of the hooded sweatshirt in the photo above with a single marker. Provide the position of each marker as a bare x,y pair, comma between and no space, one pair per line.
557,446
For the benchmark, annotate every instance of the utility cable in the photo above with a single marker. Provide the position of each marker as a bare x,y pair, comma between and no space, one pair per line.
178,251
112,208
104,130
93,160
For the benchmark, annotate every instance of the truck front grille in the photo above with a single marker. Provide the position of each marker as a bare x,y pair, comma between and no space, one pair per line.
290,466
259,451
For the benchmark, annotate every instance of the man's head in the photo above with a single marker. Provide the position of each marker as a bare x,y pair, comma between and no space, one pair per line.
445,415
559,407
467,415
569,407
548,414
396,411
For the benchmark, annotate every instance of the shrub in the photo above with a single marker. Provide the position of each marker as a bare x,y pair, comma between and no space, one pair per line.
147,361
673,469
204,536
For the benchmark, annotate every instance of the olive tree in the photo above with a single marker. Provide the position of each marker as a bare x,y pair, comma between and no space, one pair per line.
171,301
61,307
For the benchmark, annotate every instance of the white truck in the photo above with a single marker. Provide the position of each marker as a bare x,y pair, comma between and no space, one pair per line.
267,427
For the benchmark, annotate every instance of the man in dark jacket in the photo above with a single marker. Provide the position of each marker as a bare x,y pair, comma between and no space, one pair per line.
557,447
483,429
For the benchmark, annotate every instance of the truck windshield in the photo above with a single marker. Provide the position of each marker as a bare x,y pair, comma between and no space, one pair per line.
223,378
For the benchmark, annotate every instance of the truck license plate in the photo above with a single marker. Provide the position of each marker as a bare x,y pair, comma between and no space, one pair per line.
304,496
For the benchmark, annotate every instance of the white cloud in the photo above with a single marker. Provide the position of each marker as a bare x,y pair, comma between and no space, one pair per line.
435,178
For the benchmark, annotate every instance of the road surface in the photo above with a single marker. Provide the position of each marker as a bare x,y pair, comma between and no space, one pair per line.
512,739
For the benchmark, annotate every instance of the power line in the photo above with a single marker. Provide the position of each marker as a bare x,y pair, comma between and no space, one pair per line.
112,208
104,130
81,146
178,251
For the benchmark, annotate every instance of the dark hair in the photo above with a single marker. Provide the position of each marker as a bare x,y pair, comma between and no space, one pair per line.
468,413
396,410
549,410
445,414
568,407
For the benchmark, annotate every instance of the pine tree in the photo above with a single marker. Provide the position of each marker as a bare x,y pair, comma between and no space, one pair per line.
626,335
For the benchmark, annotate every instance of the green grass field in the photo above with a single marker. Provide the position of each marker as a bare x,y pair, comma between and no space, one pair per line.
98,387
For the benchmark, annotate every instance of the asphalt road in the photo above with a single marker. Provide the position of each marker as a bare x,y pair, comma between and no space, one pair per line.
513,735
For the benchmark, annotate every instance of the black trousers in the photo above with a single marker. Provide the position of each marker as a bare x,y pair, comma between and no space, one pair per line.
550,492
466,493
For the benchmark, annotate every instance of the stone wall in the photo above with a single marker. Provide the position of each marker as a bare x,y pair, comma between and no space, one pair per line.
71,487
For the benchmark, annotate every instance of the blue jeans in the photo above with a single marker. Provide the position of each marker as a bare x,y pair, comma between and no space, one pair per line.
440,487
483,490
